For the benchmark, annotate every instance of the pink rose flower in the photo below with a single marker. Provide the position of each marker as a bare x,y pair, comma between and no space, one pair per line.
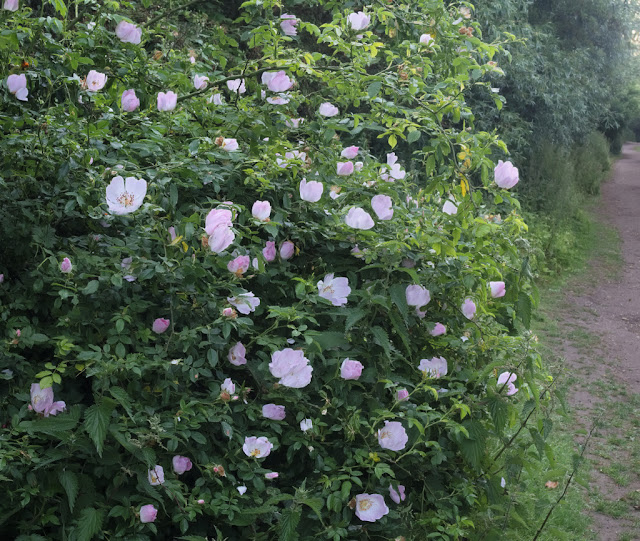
42,399
129,102
344,169
294,123
216,217
508,379
335,290
402,395
393,436
257,447
383,206
438,330
359,219
96,81
245,303
425,39
10,5
288,24
350,369
468,308
417,295
200,82
271,475
230,145
156,475
370,507
273,412
397,496
128,32
327,109
292,367
506,175
261,210
497,289
160,325
228,386
350,152
306,424
66,266
311,191
237,354
125,196
435,367
237,86
277,82
269,251
358,21
167,101
181,464
450,207
287,249
221,238
148,513
239,265
17,84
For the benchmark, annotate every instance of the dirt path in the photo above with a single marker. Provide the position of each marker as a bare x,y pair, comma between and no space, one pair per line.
598,338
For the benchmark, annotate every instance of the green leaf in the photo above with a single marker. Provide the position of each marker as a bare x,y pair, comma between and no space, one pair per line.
88,525
96,422
227,430
401,329
69,482
354,316
382,339
123,398
499,413
289,520
374,88
399,298
523,309
91,287
413,136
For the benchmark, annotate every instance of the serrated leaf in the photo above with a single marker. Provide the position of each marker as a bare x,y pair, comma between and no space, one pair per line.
399,298
69,482
374,88
289,520
473,447
354,316
523,309
96,422
123,399
382,339
88,525
499,413
316,504
401,329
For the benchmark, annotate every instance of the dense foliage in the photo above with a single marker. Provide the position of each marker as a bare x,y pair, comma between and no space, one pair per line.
199,338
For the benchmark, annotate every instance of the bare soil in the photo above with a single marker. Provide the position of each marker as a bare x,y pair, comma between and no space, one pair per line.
598,317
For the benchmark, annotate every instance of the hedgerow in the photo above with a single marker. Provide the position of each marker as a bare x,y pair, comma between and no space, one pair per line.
261,277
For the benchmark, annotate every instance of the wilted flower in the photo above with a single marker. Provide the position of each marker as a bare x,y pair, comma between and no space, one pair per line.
42,399
350,152
239,265
497,289
245,302
434,368
393,436
306,424
17,84
292,367
281,99
200,82
417,295
273,412
350,369
438,330
311,191
261,210
397,496
216,99
256,447
129,101
128,32
237,354
237,86
287,249
335,290
468,308
383,206
160,325
359,219
167,101
288,24
359,20
294,123
370,507
506,175
344,169
125,197
181,464
508,379
148,513
96,81
328,110
66,266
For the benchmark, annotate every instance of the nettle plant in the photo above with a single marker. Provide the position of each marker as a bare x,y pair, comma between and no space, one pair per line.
259,276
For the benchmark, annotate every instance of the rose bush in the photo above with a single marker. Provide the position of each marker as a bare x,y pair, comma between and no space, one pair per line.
191,363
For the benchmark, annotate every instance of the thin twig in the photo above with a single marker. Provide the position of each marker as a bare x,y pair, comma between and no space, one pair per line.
167,13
